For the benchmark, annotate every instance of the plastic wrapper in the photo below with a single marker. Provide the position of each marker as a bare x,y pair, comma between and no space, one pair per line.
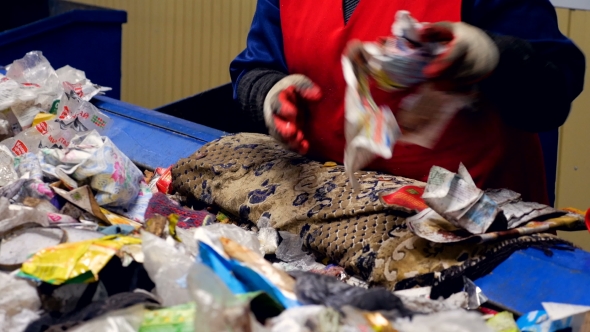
302,319
556,317
179,318
257,263
36,76
19,245
290,248
168,268
30,182
32,86
371,131
137,208
7,171
78,82
217,309
307,263
11,218
212,233
418,300
19,303
96,160
125,320
357,320
397,63
244,271
75,116
269,240
503,322
76,262
448,321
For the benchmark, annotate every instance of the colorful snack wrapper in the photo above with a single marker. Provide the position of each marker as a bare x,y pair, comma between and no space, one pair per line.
77,262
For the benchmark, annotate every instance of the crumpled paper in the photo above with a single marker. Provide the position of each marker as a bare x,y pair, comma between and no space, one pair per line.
459,200
460,211
96,160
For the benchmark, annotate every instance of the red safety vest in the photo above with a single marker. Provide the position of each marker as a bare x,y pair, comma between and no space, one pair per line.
315,36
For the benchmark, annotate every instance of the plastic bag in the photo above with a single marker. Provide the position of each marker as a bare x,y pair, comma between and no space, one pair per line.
7,171
447,321
19,303
95,159
168,268
298,319
76,116
35,72
125,320
211,296
212,233
78,82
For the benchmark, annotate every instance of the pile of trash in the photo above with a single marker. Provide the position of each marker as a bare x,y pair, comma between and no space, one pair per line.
89,242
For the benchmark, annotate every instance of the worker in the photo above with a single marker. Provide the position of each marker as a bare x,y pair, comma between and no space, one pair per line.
289,78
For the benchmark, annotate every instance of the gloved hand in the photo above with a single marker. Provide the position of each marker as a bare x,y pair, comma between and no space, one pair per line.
470,57
285,107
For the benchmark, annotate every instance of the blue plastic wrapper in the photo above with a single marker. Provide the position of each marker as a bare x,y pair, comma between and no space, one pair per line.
241,279
538,321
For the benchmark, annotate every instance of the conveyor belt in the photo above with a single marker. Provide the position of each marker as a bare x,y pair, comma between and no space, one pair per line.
152,139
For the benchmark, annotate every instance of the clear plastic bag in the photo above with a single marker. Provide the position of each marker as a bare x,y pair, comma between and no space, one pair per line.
19,303
76,116
168,268
232,232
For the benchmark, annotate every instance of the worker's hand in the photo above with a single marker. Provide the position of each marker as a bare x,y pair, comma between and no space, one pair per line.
285,108
470,57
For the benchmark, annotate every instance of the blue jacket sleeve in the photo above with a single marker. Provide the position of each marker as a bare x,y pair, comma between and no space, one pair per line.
264,46
254,71
540,71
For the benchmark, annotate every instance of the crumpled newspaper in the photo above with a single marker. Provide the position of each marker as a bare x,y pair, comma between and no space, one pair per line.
98,161
396,64
459,200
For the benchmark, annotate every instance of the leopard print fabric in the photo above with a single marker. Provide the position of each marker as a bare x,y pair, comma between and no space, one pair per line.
250,175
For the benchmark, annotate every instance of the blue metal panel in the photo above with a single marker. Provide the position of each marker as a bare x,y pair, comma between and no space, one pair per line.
529,277
152,139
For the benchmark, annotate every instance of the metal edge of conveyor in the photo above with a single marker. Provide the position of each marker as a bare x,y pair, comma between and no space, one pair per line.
157,119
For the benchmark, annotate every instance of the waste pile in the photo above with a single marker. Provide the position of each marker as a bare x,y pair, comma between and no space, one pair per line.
89,242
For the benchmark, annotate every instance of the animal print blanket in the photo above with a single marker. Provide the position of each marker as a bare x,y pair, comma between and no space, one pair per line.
250,175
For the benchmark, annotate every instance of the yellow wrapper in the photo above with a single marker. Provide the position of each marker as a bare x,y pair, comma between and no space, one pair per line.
42,117
115,219
64,262
172,222
378,322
